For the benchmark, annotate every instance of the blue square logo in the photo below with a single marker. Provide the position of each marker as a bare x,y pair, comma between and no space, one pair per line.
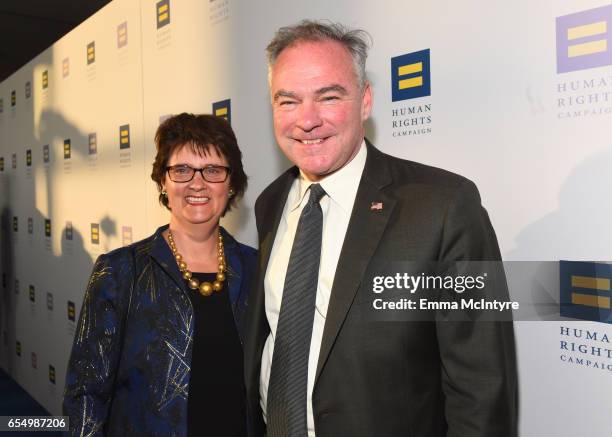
163,13
223,109
584,39
410,76
124,136
585,290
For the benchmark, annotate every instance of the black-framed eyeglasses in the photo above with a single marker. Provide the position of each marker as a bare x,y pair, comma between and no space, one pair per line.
210,173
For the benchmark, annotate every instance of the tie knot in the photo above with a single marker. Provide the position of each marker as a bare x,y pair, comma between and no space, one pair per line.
316,193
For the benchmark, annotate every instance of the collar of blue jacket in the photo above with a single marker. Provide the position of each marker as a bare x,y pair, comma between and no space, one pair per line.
161,253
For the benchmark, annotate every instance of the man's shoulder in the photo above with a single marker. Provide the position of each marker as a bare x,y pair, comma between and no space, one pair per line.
277,186
404,171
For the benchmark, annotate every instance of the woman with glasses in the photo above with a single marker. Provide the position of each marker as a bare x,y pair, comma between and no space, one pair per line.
158,346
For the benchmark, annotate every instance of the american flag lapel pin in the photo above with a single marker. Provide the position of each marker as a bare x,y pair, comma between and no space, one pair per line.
376,206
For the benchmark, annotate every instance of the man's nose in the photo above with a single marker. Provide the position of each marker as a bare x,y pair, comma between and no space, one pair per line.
309,117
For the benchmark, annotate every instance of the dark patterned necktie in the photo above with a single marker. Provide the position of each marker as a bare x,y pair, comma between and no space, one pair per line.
287,388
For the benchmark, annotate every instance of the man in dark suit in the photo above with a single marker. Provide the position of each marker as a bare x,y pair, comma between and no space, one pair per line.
314,362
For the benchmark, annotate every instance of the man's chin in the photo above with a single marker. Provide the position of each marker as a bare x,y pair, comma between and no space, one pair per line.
315,174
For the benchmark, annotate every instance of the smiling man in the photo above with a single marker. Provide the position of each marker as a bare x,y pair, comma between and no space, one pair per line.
315,365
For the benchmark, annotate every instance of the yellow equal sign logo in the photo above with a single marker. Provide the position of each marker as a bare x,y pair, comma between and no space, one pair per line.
45,79
163,13
65,67
93,143
47,227
592,283
71,311
126,233
67,150
95,233
91,52
124,136
223,109
411,82
122,35
590,47
51,374
69,231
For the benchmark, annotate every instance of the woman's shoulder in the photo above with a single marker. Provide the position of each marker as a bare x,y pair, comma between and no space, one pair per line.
131,251
247,250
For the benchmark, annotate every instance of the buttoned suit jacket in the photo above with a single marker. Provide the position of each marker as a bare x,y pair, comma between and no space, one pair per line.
397,378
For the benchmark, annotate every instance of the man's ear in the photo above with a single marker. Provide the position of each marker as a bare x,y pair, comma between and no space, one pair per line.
366,103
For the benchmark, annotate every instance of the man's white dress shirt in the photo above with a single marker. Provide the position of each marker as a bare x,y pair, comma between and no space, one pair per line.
337,205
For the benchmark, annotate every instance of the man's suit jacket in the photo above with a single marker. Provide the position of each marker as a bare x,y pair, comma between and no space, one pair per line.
397,378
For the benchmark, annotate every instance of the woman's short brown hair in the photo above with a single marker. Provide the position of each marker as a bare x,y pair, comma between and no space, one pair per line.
200,132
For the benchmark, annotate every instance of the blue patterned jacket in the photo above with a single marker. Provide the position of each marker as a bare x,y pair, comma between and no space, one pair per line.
128,373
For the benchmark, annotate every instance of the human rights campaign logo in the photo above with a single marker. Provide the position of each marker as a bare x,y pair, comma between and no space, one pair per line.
124,136
585,290
163,13
91,52
95,233
29,158
223,109
126,235
51,374
46,155
584,39
93,143
68,231
45,79
66,67
71,311
410,76
47,227
122,36
13,98
32,294
28,89
67,151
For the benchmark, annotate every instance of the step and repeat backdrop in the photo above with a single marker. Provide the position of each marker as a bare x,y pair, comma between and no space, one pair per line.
517,97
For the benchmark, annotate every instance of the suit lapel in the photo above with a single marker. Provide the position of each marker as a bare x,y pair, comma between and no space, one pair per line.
366,227
271,216
269,213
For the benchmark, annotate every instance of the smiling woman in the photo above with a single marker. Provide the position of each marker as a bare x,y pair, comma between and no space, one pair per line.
155,312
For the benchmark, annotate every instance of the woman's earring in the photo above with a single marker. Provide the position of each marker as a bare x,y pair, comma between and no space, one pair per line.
164,193
231,193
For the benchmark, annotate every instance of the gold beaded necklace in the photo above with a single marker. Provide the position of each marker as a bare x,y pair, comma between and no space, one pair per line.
205,288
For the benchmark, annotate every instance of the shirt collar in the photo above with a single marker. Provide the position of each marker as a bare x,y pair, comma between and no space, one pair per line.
341,186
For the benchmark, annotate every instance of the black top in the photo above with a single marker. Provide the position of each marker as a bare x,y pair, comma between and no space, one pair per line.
217,398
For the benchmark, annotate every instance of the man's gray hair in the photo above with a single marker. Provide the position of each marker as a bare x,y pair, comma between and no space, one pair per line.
356,41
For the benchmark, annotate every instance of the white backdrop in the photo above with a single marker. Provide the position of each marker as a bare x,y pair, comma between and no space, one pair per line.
536,141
